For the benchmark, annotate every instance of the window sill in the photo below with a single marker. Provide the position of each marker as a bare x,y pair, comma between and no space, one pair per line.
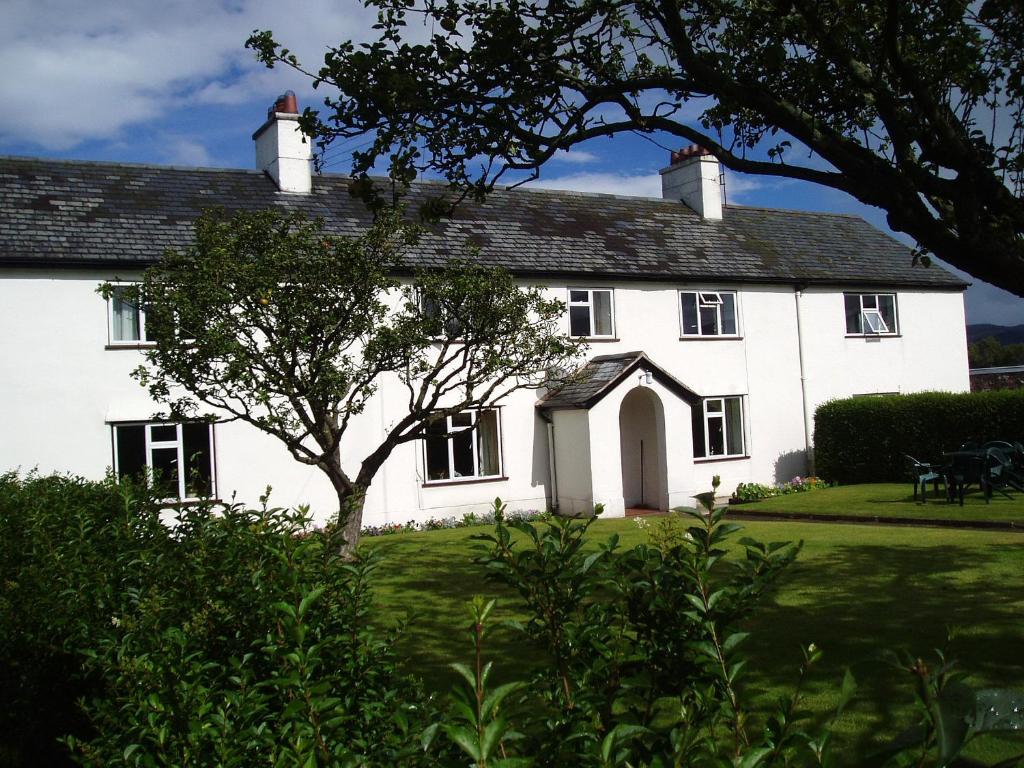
713,459
464,481
143,345
190,502
711,338
596,339
874,336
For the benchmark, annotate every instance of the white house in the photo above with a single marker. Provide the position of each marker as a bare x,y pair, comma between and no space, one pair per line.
714,331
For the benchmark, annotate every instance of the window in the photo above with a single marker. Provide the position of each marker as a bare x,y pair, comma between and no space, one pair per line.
708,313
127,321
441,324
177,457
473,449
871,314
591,313
718,428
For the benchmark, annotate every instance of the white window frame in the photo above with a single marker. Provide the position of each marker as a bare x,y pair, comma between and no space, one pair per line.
421,305
875,315
589,302
111,341
476,476
179,443
717,300
708,456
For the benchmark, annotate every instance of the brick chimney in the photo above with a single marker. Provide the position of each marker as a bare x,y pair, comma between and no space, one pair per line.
694,177
282,151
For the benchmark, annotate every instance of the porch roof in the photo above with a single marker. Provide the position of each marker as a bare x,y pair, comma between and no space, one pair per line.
588,385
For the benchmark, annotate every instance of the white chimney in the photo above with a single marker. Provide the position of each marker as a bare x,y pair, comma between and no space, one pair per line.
693,177
282,150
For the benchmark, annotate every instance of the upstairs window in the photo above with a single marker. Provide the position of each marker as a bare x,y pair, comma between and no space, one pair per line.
127,320
591,313
176,458
871,314
718,428
708,313
473,449
441,324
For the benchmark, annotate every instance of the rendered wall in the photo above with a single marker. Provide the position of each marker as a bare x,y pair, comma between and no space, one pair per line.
60,389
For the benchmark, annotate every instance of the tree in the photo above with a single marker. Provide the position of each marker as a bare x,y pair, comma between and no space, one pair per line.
992,353
270,320
914,107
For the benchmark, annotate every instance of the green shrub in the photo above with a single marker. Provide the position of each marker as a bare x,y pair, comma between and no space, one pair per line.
644,646
68,551
236,637
867,439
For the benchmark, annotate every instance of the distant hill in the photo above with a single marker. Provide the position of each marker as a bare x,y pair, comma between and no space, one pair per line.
1004,334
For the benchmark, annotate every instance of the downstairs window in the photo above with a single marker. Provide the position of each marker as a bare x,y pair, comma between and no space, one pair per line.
718,428
178,458
473,449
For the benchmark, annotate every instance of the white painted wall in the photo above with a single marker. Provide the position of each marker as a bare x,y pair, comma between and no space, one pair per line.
60,388
573,462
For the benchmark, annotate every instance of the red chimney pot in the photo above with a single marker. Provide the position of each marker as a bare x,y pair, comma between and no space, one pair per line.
286,102
694,150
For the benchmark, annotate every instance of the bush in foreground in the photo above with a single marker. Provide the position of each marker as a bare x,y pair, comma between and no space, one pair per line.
241,637
236,637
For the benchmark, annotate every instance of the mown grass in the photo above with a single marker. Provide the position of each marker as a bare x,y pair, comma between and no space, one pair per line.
891,500
854,590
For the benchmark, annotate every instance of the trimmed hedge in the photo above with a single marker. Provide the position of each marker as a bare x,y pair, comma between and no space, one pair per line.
867,439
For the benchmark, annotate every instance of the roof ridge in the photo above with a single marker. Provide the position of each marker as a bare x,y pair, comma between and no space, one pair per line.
119,164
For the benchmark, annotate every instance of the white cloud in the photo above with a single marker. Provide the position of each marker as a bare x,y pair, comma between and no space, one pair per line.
179,150
76,71
574,157
639,185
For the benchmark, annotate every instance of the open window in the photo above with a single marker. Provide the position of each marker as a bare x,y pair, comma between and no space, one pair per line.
465,446
871,314
591,313
177,458
718,428
708,313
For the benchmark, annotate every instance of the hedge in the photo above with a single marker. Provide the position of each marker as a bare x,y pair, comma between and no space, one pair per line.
867,439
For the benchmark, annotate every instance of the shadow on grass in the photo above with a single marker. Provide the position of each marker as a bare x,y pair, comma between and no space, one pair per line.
865,598
431,588
851,599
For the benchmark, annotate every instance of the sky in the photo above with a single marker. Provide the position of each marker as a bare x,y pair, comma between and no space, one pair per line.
171,83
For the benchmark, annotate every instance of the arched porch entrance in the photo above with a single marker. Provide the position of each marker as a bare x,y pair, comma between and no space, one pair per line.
642,447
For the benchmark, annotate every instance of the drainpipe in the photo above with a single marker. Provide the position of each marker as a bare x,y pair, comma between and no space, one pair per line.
551,460
808,430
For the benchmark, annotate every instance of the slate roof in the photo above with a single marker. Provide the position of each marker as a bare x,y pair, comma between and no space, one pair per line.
600,375
57,212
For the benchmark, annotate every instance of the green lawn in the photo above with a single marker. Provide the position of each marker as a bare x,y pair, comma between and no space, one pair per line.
889,500
854,589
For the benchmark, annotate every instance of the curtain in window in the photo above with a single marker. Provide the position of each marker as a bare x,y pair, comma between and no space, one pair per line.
487,443
125,319
887,309
603,313
729,314
734,426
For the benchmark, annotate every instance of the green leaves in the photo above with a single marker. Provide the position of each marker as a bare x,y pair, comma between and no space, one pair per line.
271,319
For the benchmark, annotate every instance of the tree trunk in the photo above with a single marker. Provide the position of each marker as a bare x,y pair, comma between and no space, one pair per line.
350,519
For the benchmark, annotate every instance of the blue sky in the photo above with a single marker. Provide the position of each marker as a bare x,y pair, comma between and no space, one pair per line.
171,83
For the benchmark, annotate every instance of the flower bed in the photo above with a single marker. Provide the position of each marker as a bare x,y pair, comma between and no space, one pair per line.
439,523
746,492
